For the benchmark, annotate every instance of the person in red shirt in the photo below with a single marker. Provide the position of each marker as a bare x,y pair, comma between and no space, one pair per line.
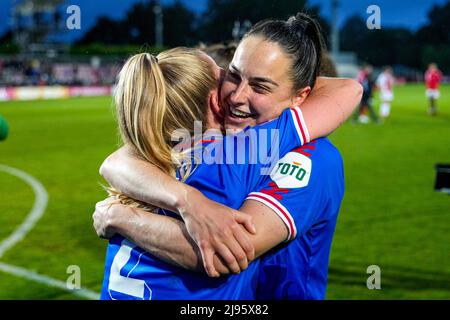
432,79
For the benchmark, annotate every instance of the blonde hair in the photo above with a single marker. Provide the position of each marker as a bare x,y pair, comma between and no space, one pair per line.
154,96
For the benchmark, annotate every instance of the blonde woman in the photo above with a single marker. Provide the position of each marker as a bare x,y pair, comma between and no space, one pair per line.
148,103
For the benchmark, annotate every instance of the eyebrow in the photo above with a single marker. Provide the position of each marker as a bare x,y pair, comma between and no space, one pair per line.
256,79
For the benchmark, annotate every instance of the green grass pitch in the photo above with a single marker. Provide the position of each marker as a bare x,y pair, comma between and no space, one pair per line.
390,217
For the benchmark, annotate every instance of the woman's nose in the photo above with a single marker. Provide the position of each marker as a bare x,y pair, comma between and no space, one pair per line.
239,95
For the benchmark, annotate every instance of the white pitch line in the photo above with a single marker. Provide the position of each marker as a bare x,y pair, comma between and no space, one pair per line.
30,275
35,214
40,203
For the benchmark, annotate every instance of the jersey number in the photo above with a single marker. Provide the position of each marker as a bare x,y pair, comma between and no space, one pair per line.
120,281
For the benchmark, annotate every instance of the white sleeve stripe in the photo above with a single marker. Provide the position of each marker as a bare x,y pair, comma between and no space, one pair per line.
299,133
279,209
304,127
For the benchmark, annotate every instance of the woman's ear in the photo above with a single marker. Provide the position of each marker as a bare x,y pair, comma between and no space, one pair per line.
214,113
301,96
214,104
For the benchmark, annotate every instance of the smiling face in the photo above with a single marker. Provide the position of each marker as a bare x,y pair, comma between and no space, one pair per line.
257,87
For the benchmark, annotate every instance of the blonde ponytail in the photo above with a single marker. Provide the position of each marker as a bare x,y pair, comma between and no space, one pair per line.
155,96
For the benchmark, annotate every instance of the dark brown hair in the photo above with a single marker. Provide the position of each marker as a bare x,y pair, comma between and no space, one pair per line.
301,39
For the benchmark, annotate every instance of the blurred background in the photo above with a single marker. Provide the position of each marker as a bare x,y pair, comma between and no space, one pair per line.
58,64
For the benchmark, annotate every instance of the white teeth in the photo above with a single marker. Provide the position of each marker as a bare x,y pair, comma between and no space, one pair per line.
238,113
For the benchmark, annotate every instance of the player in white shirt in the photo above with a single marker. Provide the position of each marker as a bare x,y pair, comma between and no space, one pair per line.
385,83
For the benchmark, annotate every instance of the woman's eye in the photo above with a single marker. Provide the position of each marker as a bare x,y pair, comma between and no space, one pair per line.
261,89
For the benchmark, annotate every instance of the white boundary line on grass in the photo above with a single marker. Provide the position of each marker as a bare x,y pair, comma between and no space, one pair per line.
40,203
35,214
33,276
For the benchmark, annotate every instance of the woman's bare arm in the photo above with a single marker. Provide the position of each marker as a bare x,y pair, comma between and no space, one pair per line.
163,236
214,227
168,239
330,104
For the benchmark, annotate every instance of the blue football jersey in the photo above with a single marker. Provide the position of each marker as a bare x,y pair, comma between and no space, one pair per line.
305,189
231,168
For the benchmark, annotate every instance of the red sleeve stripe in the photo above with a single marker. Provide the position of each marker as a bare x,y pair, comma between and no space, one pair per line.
279,209
300,125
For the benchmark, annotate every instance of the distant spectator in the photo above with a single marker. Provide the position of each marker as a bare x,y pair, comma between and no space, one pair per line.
385,83
365,78
433,78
